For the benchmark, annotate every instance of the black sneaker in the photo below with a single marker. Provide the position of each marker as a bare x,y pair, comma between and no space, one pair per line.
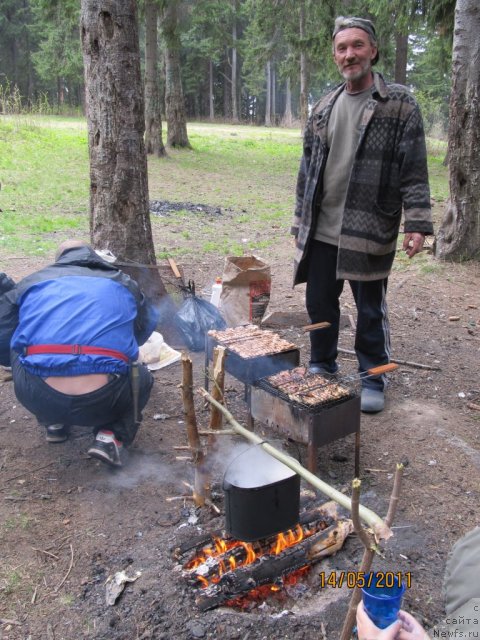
57,433
107,448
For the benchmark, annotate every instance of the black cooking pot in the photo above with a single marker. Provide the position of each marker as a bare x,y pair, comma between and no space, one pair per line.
262,496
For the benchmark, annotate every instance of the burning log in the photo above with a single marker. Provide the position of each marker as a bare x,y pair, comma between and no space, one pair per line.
323,516
269,569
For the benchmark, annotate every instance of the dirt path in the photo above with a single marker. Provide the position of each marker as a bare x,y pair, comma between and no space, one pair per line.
67,523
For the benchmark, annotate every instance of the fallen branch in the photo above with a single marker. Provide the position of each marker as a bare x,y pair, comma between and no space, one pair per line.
407,363
30,471
381,530
472,405
47,553
69,569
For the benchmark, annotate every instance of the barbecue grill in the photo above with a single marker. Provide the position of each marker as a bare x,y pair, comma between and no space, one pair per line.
252,353
309,409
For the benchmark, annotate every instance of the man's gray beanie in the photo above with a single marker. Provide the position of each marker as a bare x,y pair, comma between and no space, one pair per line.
351,22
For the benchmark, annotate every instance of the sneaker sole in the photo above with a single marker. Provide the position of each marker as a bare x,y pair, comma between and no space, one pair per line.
101,455
56,439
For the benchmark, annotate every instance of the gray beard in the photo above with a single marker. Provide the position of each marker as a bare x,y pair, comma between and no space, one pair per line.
358,75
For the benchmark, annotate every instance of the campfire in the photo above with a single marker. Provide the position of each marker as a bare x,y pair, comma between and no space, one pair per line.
226,571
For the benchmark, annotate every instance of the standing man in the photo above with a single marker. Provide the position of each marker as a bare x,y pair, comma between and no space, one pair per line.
364,160
71,333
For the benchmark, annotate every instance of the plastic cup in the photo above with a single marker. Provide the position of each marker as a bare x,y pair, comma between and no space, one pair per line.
382,603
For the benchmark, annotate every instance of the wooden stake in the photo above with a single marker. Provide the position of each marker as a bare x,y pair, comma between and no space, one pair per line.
200,490
216,417
369,544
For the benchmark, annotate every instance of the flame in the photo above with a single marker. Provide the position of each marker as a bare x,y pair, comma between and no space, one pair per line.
222,556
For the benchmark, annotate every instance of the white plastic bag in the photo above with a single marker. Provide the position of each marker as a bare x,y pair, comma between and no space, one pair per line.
156,353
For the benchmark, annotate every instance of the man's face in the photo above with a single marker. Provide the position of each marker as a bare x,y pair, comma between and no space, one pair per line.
353,54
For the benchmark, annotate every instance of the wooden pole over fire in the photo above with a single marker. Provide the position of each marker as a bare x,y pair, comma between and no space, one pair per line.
380,529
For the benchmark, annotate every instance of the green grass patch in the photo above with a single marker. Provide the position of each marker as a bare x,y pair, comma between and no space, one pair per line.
44,176
249,172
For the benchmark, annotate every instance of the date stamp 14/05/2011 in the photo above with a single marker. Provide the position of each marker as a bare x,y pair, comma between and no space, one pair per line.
353,579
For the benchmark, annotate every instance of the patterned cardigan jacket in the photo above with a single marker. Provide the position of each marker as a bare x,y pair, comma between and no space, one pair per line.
389,174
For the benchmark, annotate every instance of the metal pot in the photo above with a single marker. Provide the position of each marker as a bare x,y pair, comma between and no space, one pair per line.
254,507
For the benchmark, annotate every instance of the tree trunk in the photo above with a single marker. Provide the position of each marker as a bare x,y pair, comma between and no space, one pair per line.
153,117
459,235
268,100
401,55
227,92
174,101
210,91
119,212
287,116
303,73
234,65
274,95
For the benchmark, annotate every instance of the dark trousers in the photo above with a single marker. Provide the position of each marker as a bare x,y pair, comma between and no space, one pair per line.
372,338
110,407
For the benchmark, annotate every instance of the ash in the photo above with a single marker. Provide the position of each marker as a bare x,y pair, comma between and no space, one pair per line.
165,208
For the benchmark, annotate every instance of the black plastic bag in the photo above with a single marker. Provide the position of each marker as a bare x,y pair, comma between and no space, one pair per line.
195,317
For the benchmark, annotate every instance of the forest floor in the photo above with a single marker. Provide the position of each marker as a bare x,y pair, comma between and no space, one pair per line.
68,523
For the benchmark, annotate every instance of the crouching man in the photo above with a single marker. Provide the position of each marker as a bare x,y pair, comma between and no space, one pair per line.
71,333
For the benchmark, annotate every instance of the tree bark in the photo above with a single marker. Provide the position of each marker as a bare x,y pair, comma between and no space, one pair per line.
211,104
303,72
273,100
268,99
153,116
234,64
401,55
119,211
287,116
459,235
174,101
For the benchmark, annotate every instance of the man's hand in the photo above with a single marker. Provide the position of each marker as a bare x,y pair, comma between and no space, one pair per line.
366,630
405,628
413,243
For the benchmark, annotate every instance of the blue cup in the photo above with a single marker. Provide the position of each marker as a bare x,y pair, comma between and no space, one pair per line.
382,603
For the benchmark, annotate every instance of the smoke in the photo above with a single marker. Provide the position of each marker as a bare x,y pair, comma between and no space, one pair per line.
138,470
253,467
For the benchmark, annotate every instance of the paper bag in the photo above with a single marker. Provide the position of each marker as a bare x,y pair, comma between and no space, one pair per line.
246,284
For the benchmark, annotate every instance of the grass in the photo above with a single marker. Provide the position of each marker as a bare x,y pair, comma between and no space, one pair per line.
21,521
44,176
249,172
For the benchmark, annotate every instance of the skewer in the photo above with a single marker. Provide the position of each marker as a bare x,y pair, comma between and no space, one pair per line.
315,326
374,371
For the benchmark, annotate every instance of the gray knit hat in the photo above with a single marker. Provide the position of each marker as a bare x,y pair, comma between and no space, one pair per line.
351,22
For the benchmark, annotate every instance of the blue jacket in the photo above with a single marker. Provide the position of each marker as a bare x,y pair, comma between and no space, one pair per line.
80,299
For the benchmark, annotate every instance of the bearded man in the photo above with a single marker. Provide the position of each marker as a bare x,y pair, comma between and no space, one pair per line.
364,162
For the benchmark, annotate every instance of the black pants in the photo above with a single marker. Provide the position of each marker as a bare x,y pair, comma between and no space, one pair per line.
110,407
372,339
